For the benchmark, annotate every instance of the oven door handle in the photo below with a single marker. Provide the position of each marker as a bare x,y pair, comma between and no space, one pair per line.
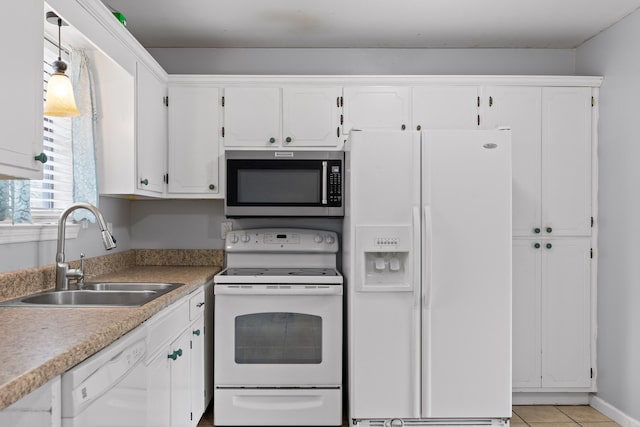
301,290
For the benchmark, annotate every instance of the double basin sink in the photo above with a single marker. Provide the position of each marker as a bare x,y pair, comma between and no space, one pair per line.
102,294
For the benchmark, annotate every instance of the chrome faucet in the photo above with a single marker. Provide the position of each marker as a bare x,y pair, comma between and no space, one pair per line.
63,273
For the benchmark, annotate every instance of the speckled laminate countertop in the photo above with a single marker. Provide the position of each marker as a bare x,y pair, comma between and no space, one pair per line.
40,343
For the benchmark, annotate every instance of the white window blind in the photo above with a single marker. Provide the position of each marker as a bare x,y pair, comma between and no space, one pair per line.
55,191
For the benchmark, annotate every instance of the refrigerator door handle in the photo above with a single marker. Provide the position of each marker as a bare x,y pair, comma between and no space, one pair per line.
426,258
417,313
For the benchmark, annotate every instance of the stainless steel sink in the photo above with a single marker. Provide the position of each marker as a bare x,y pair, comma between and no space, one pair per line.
104,294
131,286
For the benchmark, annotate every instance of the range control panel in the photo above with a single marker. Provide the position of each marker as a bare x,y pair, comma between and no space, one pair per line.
282,240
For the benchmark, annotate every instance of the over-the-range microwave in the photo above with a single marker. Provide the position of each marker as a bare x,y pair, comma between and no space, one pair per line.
284,183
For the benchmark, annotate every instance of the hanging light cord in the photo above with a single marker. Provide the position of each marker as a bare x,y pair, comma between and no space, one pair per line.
59,39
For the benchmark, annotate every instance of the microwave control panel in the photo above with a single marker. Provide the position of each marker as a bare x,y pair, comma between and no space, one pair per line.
334,193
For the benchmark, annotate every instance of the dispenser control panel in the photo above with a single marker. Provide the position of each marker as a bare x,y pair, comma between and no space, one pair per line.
385,258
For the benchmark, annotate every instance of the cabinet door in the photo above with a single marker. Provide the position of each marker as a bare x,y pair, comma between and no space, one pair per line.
526,313
159,390
151,123
21,118
252,117
310,116
194,131
198,403
376,108
566,308
444,107
520,109
181,381
208,338
566,161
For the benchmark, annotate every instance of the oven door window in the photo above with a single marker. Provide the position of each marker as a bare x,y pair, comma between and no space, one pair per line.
278,338
274,183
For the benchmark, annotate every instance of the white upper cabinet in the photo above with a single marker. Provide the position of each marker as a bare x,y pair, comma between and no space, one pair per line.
520,108
275,117
376,108
194,141
551,135
151,131
566,160
252,117
310,116
21,84
445,107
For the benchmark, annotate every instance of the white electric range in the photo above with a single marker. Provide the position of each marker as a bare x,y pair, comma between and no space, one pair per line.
278,329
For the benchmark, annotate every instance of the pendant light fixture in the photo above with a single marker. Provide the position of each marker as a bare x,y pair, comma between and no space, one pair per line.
60,100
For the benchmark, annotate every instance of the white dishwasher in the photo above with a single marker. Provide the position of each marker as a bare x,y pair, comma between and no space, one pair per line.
109,388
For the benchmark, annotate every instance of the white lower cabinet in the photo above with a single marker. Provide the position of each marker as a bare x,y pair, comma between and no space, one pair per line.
198,394
176,364
40,408
552,336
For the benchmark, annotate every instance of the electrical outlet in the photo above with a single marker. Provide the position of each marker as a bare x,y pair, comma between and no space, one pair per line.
225,227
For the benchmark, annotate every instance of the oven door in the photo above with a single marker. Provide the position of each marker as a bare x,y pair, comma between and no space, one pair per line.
278,335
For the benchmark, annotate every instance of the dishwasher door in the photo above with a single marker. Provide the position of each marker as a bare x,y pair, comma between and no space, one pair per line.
109,388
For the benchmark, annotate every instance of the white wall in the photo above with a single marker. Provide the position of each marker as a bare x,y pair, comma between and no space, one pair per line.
366,61
17,256
195,224
615,55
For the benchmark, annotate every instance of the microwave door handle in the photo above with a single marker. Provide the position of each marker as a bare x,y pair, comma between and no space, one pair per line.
324,183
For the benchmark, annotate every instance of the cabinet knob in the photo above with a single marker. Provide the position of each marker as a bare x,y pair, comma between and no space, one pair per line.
200,304
288,139
536,230
272,140
196,332
549,245
536,245
212,187
403,127
144,181
42,158
549,229
173,356
418,127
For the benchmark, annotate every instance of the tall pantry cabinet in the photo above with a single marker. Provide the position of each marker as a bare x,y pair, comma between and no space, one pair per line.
553,218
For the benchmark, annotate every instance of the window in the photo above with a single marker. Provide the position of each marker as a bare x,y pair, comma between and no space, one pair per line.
54,192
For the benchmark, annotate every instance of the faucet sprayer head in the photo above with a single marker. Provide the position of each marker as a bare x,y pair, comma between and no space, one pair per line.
108,240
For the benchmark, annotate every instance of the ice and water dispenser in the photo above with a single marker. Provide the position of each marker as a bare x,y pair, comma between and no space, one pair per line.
385,254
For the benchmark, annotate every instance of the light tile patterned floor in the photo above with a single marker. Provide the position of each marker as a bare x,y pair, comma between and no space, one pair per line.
524,415
559,416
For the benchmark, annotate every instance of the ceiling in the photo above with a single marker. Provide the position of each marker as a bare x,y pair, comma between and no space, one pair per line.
560,24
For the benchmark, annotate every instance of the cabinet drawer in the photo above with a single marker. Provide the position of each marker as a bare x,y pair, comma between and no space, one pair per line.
164,327
196,305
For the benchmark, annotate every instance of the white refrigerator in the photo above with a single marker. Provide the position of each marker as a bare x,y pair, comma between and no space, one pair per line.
427,264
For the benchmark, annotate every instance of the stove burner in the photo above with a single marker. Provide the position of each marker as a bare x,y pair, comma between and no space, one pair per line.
248,271
308,272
